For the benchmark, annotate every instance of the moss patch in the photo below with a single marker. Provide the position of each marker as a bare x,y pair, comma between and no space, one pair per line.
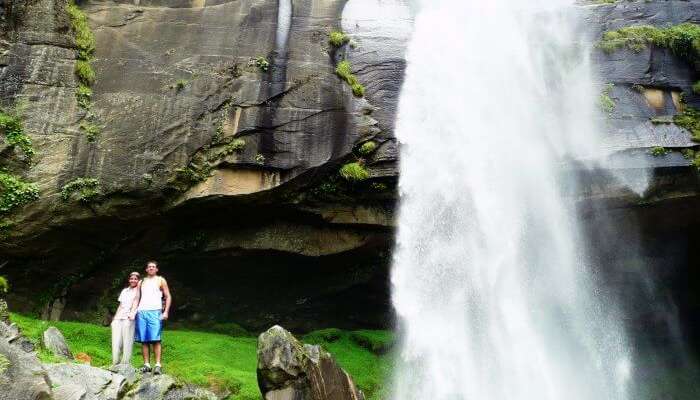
659,151
85,41
262,63
605,102
344,70
338,38
367,148
354,171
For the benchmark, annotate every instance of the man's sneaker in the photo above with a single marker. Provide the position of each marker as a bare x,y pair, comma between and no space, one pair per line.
145,369
156,370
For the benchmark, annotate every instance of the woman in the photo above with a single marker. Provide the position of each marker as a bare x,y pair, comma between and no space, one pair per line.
122,324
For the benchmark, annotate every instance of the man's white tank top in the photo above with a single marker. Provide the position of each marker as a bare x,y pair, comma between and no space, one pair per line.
151,295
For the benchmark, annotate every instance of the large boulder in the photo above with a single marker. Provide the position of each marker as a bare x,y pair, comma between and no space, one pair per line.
21,374
83,382
53,341
290,370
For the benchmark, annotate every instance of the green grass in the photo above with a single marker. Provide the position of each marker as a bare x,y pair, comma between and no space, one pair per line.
220,362
683,40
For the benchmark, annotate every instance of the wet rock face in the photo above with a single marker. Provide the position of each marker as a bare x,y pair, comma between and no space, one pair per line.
290,370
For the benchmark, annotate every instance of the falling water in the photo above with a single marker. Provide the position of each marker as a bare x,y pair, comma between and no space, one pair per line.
495,296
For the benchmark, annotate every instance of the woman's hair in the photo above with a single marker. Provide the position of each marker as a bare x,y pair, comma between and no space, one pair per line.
136,274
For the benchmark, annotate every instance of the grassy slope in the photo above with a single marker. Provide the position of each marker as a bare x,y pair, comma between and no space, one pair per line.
215,360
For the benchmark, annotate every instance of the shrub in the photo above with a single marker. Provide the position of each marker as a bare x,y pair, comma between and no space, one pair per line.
84,37
11,127
15,193
83,95
92,131
354,172
262,63
87,189
259,159
367,148
338,38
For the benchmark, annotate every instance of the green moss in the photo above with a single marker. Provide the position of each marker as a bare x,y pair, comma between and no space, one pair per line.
605,102
4,364
659,151
190,175
11,127
15,193
338,38
367,148
344,70
85,190
690,120
683,40
83,94
354,172
92,130
262,63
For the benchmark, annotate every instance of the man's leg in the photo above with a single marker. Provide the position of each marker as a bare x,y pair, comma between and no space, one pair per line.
157,351
144,351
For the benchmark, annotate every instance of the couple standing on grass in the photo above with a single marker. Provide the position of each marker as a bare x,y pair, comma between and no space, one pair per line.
140,317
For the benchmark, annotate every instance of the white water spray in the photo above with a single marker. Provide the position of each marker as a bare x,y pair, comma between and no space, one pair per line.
493,292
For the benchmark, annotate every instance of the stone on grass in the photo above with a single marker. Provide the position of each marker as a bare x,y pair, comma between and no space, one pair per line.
98,384
290,370
53,341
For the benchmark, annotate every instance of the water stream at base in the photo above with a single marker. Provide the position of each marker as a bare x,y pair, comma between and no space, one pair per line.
495,296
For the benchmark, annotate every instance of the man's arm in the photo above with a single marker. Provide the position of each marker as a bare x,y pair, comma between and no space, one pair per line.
135,303
168,298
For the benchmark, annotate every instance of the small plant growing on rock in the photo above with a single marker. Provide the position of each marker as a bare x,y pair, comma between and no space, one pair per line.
605,102
690,120
4,285
367,148
83,95
696,87
354,172
659,151
259,159
11,127
85,190
84,71
180,84
92,130
15,193
262,63
338,38
638,88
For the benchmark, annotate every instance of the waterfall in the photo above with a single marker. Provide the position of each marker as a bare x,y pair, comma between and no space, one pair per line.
495,296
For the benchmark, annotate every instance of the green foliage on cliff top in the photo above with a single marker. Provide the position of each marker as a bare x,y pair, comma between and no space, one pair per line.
338,38
11,127
15,193
220,362
690,120
354,172
84,190
344,70
683,39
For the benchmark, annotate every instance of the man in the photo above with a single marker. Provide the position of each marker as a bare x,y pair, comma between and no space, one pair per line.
150,314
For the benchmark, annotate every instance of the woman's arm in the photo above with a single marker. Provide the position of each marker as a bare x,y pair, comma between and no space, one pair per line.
168,298
135,303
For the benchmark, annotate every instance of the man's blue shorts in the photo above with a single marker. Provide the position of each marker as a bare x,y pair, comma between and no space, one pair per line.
148,326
